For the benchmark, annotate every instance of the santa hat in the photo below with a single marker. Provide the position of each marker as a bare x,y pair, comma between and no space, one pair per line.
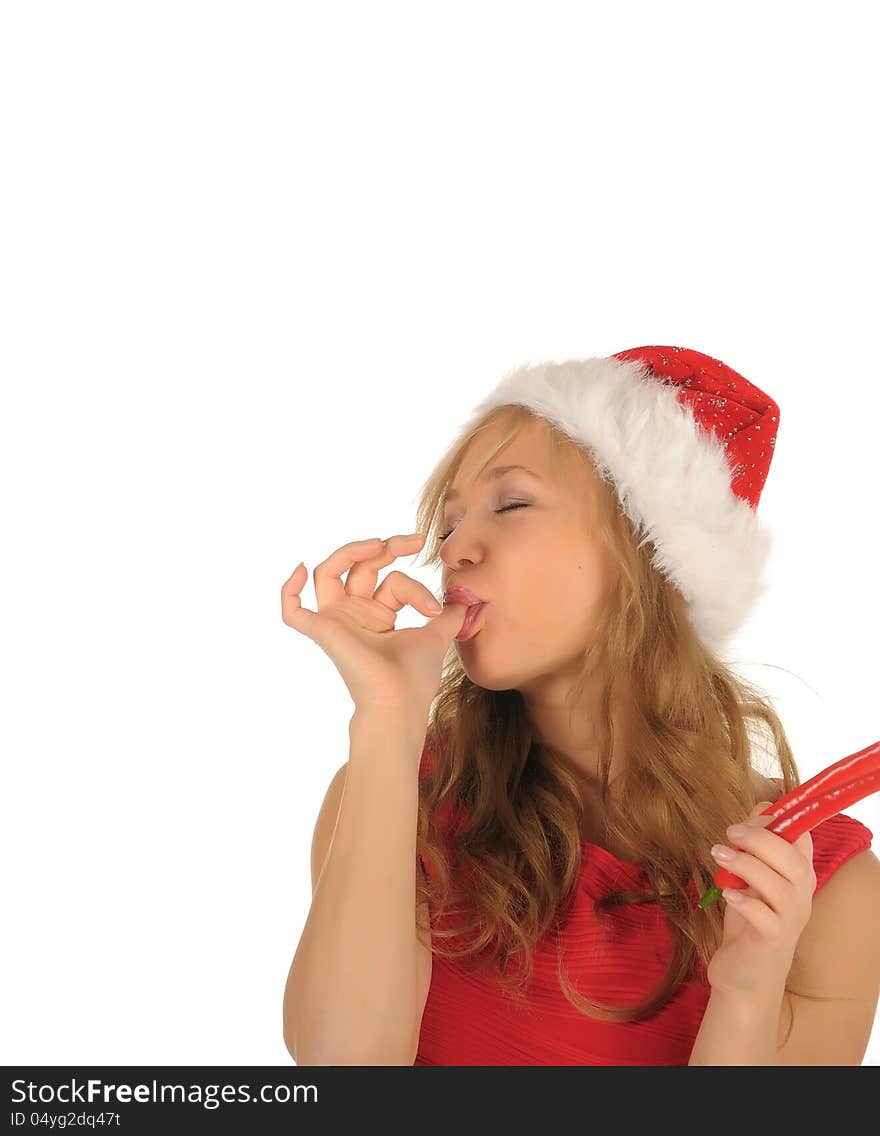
687,443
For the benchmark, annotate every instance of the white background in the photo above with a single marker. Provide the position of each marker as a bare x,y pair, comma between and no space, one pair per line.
259,262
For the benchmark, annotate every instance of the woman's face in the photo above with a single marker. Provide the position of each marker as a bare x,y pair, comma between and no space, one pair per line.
542,569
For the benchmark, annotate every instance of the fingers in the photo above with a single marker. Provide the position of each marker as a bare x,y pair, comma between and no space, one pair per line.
770,886
755,911
789,859
292,611
329,588
362,578
768,862
397,590
362,559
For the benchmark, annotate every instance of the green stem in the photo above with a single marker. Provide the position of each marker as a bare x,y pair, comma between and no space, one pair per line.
710,896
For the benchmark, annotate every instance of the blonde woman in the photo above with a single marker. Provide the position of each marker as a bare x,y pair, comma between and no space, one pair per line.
542,778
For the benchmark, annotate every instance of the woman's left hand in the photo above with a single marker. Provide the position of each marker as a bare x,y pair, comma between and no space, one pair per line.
761,932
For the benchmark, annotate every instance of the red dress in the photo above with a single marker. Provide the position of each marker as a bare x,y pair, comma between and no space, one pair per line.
468,1021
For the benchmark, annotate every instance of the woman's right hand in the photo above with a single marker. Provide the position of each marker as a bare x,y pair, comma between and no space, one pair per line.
354,625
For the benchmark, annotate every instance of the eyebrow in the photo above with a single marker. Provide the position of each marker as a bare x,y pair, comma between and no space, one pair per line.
492,475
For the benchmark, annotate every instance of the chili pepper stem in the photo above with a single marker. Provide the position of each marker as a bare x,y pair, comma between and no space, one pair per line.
709,897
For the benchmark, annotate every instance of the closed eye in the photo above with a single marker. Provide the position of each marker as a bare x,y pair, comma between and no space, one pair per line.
517,505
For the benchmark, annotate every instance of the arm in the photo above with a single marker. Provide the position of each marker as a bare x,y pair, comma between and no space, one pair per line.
838,959
738,1032
351,995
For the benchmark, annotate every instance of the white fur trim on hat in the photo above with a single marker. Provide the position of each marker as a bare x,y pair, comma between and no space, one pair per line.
672,478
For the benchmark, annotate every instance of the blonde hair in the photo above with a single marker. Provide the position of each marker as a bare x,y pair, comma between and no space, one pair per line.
689,775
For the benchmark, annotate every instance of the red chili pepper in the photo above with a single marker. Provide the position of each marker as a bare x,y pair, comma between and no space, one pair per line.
823,796
860,763
863,761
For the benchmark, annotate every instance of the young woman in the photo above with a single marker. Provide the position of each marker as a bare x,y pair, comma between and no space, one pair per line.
559,753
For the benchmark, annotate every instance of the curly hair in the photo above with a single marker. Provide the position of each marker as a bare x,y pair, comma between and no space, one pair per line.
511,866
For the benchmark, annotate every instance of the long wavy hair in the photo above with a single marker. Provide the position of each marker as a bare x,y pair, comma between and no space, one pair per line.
510,868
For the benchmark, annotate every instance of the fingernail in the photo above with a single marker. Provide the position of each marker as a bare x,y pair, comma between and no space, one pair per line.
736,831
435,607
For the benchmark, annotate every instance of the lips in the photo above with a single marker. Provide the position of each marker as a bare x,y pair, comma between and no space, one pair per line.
469,627
461,595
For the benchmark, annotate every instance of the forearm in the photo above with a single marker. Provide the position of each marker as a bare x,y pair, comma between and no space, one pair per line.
351,993
739,1031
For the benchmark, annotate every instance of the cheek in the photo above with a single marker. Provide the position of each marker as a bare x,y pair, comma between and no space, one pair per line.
575,604
567,597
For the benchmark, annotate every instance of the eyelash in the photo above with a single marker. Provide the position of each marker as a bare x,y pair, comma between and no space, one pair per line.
506,508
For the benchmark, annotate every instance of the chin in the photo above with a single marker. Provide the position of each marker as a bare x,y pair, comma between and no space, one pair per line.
494,679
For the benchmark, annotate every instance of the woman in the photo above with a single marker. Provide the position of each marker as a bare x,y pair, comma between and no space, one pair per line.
584,748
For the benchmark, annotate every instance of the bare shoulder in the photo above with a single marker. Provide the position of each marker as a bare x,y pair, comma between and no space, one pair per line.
838,962
840,946
853,889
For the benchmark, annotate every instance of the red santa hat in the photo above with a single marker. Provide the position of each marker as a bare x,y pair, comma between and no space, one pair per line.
687,443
